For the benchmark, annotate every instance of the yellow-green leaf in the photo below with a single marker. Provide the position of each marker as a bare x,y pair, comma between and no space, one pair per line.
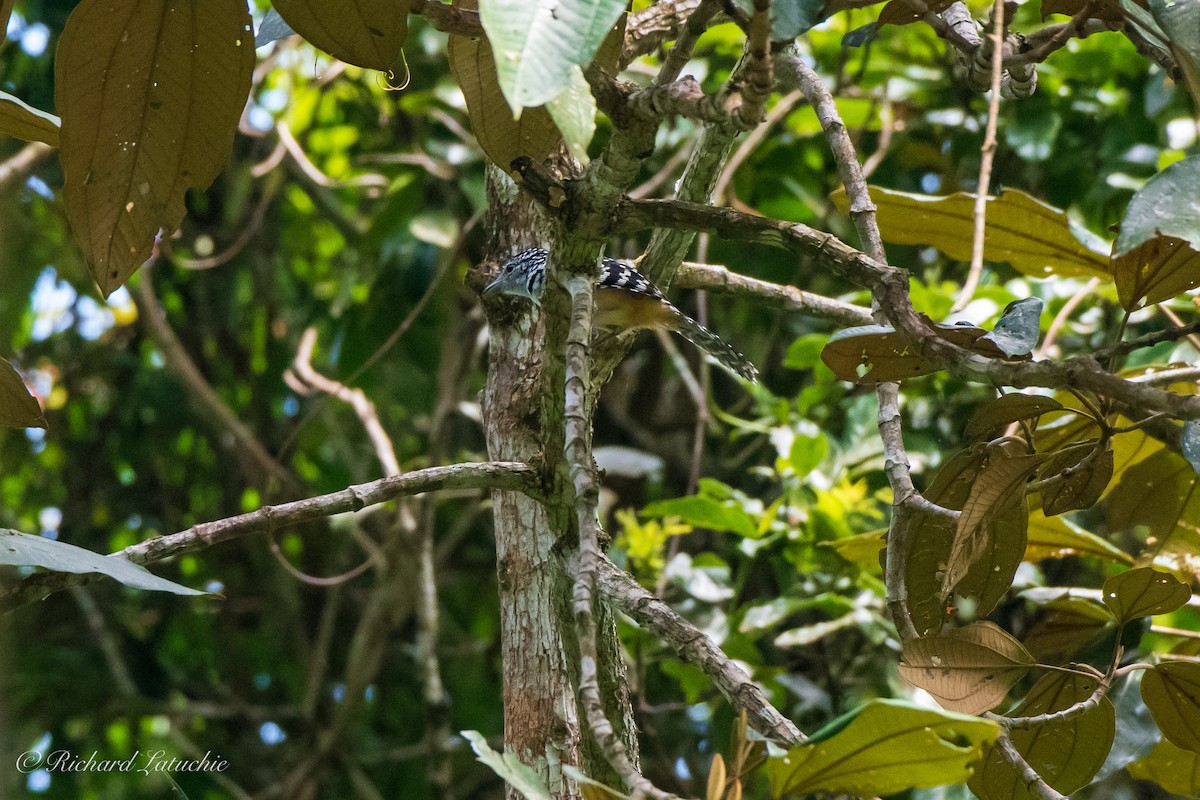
1035,238
968,670
26,122
1172,693
366,33
1173,768
18,408
881,748
150,92
1161,493
1143,592
1066,754
1007,409
1055,537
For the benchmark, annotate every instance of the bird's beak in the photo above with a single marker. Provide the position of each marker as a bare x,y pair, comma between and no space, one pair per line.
492,286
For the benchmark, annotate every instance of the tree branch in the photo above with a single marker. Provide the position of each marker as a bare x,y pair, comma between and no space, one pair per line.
714,277
499,475
694,646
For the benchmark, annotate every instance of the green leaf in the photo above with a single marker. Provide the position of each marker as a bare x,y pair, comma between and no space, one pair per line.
1007,409
807,453
18,408
1180,22
1155,257
1066,754
1172,692
1019,327
150,93
23,550
26,122
1189,443
881,748
574,114
769,614
500,136
537,42
790,18
704,512
518,775
1033,237
1143,592
1173,768
366,33
969,669
805,352
807,634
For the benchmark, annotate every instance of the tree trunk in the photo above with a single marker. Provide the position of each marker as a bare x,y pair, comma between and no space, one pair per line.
533,549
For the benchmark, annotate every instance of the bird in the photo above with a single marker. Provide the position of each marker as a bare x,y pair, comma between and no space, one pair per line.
625,300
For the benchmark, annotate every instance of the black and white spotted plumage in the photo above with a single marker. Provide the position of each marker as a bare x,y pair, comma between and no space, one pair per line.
625,300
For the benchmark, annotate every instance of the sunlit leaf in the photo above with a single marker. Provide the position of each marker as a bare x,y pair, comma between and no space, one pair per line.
1055,537
969,669
501,137
23,121
150,92
23,550
574,113
538,42
1173,768
1155,257
591,788
518,775
18,408
881,748
1066,754
806,635
705,512
1172,692
1006,409
1161,493
716,779
1033,237
1143,592
366,33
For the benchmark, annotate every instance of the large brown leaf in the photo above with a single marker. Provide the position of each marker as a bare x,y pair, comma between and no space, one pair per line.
503,138
930,538
18,408
968,670
998,486
366,33
150,92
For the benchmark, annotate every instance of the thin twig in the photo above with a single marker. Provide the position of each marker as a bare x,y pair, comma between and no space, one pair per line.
987,154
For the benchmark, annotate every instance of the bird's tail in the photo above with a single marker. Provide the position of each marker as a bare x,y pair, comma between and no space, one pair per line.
716,347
